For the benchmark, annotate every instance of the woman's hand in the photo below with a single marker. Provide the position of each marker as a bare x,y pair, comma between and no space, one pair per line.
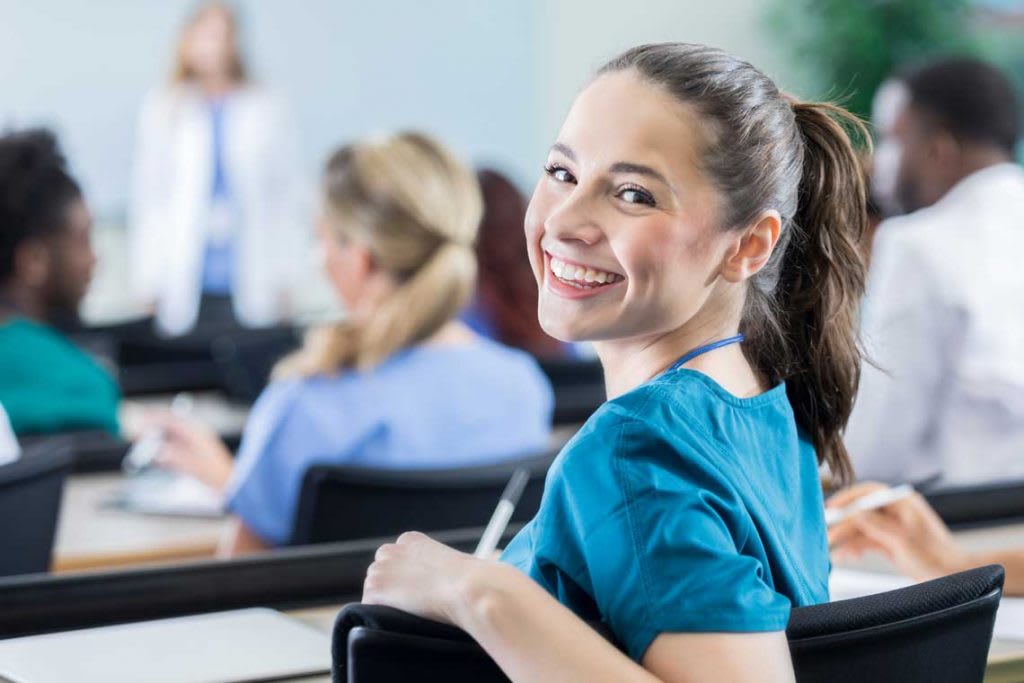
194,449
908,532
419,575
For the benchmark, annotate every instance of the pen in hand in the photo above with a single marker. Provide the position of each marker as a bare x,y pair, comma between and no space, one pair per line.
502,513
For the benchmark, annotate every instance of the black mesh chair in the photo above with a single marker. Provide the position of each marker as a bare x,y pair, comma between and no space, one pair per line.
30,496
341,503
934,632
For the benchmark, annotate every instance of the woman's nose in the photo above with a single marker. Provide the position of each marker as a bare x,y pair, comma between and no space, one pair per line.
575,219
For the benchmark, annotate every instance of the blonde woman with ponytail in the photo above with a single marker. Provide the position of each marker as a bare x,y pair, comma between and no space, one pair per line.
399,384
702,229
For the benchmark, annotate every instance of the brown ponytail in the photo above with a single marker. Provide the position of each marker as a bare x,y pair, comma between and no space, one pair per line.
764,151
822,281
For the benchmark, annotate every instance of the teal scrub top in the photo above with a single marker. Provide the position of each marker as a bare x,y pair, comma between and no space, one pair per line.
679,508
47,384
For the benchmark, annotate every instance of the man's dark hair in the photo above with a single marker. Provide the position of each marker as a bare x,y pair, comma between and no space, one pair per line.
970,98
35,192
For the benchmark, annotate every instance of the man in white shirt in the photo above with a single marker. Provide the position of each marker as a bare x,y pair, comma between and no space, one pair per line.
944,315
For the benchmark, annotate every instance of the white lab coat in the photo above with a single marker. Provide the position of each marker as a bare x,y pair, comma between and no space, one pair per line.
944,317
9,449
171,200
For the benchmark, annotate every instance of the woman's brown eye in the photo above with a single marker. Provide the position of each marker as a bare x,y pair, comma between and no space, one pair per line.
560,174
634,196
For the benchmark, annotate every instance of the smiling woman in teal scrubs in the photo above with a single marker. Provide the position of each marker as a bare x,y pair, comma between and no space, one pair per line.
702,229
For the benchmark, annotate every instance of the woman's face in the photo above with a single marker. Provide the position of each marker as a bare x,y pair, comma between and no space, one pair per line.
346,264
209,43
621,229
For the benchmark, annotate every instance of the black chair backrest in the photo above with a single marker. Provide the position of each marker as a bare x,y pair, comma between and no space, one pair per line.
997,502
30,496
246,362
340,503
578,386
90,450
934,632
328,574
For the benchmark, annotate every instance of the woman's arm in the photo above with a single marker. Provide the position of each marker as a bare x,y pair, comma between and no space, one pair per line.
238,539
533,637
915,539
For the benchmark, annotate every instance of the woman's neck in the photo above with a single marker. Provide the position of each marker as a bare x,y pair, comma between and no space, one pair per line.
453,333
628,363
215,86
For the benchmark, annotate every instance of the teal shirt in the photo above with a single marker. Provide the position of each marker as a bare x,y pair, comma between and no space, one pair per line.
47,384
678,508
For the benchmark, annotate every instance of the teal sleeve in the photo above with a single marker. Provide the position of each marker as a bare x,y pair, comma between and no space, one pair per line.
662,540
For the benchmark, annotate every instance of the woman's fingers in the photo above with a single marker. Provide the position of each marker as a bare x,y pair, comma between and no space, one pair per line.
848,495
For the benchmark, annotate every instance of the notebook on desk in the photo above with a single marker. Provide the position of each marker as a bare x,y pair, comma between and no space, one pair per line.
159,492
240,646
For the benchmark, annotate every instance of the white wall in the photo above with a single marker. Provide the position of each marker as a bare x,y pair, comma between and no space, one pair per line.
580,35
492,77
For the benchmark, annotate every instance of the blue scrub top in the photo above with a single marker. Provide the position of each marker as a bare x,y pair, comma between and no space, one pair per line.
681,508
218,257
428,406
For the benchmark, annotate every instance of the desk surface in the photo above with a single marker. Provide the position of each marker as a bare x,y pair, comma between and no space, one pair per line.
90,536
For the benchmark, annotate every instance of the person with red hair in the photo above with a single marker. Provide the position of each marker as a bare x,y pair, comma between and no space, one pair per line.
505,305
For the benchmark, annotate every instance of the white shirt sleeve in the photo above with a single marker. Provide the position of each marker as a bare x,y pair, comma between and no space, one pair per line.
9,449
909,333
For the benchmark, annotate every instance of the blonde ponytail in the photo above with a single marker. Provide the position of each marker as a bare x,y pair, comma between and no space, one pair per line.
417,209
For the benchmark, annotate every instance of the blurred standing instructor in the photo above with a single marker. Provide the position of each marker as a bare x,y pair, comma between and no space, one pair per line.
214,226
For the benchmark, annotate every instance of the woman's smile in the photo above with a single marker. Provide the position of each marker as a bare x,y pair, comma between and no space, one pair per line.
574,280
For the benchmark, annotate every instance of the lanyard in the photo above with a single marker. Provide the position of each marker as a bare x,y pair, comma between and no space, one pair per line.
701,350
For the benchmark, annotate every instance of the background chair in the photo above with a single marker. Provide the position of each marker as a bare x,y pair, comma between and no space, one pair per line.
246,361
340,503
92,450
933,632
578,386
30,495
288,578
991,503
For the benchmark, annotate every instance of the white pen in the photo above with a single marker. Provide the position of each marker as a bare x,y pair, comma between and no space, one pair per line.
872,501
502,514
148,446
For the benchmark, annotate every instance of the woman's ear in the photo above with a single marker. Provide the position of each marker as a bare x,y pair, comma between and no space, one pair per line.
753,247
32,263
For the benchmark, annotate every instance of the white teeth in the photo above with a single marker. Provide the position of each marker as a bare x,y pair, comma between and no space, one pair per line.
580,276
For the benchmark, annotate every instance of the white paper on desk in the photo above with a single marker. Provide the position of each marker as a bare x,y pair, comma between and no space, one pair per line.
158,492
238,646
852,583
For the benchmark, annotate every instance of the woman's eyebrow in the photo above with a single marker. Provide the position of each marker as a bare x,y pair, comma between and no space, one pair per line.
565,150
639,169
